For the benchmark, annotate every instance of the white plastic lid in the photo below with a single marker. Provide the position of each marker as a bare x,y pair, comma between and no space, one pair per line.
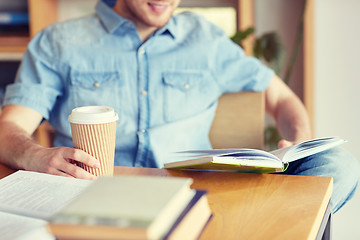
93,115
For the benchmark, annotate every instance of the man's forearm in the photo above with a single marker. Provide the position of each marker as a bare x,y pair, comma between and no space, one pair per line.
290,114
292,120
16,145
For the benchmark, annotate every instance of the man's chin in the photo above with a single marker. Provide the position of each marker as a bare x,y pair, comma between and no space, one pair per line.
158,23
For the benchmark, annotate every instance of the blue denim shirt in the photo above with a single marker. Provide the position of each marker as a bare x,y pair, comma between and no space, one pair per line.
164,90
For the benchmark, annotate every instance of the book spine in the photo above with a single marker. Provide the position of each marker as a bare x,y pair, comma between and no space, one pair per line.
10,18
194,200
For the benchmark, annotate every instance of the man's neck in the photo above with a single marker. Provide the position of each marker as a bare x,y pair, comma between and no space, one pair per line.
143,30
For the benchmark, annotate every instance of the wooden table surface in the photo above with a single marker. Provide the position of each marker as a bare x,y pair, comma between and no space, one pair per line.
257,206
253,206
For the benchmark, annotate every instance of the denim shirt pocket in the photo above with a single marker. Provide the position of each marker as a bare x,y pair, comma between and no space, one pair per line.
187,93
95,88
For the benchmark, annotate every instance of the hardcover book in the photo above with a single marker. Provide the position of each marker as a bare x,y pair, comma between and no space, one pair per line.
251,160
132,207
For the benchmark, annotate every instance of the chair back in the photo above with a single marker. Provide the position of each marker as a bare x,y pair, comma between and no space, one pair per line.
239,121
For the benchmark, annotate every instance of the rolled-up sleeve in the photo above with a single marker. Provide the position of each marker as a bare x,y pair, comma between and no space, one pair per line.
38,82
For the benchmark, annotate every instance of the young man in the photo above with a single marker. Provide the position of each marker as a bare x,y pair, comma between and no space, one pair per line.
162,74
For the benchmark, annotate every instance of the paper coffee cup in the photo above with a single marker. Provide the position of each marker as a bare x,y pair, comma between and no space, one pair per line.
93,130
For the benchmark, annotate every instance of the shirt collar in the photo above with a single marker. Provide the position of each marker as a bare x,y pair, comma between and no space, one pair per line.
113,21
168,28
109,17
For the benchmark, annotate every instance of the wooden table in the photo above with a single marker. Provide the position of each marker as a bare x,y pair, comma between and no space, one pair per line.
258,206
255,206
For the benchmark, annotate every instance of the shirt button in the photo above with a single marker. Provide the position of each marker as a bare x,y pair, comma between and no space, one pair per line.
142,130
186,86
144,92
142,51
96,84
129,24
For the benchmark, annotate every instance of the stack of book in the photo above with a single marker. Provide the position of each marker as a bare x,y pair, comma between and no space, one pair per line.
134,207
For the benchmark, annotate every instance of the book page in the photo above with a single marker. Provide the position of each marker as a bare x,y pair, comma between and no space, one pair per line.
307,148
38,195
280,153
20,227
246,153
313,146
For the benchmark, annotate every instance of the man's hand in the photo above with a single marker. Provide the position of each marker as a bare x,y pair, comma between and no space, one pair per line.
19,151
285,143
60,161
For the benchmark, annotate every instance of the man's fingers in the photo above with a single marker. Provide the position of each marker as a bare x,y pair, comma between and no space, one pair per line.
75,171
71,155
61,173
284,143
81,156
61,161
55,171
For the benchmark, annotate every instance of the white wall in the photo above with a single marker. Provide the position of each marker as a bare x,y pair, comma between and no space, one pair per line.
337,83
337,70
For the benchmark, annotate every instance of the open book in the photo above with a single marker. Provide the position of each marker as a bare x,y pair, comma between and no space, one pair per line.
252,160
29,199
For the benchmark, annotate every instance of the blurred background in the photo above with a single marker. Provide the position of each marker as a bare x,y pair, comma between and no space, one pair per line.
312,45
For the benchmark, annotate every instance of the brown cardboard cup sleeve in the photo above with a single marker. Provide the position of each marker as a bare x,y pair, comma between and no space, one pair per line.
93,130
